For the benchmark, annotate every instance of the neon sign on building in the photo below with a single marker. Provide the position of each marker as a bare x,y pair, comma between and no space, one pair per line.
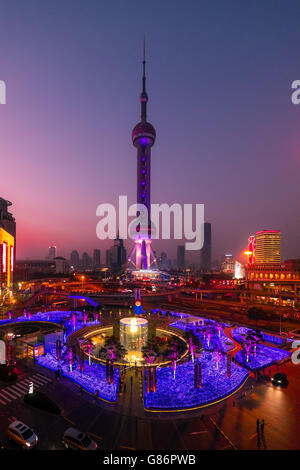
251,249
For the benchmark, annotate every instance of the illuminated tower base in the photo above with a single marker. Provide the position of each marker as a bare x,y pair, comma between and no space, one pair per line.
143,255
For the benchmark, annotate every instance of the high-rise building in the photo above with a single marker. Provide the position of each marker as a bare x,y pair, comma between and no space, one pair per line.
227,265
118,255
206,249
96,259
74,260
267,247
181,257
163,262
107,258
85,261
52,252
7,246
143,138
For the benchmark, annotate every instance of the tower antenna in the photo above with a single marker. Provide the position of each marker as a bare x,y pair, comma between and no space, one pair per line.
144,96
144,64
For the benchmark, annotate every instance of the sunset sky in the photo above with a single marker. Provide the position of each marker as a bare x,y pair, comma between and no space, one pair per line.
219,77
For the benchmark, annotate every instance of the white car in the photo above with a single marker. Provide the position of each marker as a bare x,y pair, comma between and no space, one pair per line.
75,439
22,434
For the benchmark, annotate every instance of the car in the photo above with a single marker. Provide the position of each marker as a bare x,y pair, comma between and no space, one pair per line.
280,379
78,440
22,434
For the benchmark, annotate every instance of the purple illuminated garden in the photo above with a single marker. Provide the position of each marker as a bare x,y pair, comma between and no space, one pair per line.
180,393
92,379
218,361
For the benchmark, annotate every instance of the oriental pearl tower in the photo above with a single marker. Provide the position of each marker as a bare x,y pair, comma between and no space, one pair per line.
143,137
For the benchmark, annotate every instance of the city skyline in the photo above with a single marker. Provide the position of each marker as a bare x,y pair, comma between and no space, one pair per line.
77,135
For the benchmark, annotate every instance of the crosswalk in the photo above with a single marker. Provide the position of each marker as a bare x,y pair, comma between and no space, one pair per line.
19,389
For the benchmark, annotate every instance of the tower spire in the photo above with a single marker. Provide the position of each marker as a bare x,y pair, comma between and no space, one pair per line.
144,96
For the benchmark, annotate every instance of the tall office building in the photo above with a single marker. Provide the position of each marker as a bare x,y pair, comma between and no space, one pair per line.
206,249
181,257
107,258
52,252
7,246
96,259
74,260
163,261
85,261
267,247
118,255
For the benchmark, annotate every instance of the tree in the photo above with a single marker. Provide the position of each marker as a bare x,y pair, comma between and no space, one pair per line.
150,352
174,351
112,350
193,342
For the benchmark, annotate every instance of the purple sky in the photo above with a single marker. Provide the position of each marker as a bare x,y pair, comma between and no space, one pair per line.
218,78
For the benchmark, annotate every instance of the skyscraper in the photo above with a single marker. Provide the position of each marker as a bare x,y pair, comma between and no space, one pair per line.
206,249
143,138
267,247
181,257
118,255
85,261
96,259
52,252
107,258
74,259
163,262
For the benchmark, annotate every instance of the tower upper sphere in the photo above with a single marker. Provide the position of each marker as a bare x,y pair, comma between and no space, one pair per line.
143,133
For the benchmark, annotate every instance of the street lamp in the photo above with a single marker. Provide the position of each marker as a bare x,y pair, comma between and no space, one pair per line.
82,279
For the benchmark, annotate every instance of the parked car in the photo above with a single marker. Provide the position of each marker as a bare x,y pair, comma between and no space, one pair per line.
22,434
280,379
75,439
